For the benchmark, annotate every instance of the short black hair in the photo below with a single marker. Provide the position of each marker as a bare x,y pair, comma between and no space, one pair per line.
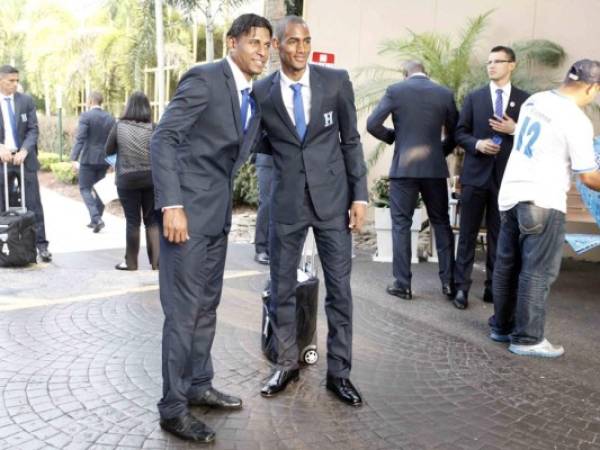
282,25
137,108
509,52
244,23
7,69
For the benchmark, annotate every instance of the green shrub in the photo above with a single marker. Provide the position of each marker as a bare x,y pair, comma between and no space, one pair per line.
48,134
46,159
245,186
380,193
63,171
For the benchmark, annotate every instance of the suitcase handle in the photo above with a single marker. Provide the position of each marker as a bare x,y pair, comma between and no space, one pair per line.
22,188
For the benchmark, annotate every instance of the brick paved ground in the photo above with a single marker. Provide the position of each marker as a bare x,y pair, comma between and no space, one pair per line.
80,366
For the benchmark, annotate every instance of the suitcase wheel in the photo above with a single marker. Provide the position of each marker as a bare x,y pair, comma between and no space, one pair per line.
310,356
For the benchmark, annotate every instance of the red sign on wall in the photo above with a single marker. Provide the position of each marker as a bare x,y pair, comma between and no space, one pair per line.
323,58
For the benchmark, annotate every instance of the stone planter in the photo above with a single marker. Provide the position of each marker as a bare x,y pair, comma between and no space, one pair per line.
383,229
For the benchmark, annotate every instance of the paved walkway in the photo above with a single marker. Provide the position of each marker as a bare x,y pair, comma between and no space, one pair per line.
80,361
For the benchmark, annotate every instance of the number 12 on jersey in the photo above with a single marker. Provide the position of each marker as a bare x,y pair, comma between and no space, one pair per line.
530,132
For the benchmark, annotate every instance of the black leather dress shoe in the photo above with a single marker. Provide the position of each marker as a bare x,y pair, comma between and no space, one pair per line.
488,296
262,258
449,290
98,226
216,399
399,291
344,390
461,301
279,380
45,255
189,428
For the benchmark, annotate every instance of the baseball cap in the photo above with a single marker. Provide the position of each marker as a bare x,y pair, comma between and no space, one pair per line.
585,70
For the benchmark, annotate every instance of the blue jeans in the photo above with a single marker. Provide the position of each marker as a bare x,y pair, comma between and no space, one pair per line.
528,260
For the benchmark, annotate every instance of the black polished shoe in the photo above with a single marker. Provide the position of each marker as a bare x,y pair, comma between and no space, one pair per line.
189,428
98,226
461,300
448,290
279,380
399,291
488,296
344,390
45,255
216,399
90,225
262,258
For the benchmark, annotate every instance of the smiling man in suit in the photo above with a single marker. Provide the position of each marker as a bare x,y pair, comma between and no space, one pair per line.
319,181
88,156
204,135
485,130
18,144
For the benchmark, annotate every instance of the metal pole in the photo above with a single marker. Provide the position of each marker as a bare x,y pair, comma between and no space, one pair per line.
60,134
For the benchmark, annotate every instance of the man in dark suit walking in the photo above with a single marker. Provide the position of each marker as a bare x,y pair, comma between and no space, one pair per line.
421,111
319,181
18,144
264,174
204,135
485,131
92,132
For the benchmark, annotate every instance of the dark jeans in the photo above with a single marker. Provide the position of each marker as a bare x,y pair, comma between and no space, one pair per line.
474,202
404,193
89,175
138,205
264,173
528,262
33,202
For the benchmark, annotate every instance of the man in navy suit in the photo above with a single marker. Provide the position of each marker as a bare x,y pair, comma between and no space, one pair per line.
319,181
18,145
485,131
205,134
421,111
92,132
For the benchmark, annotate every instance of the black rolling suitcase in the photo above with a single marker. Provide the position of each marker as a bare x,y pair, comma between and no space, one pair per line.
17,229
307,302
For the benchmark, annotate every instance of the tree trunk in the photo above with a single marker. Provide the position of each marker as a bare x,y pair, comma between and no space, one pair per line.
160,58
210,29
194,38
47,98
274,10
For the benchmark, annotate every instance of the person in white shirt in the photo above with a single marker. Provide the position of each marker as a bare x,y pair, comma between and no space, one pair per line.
553,138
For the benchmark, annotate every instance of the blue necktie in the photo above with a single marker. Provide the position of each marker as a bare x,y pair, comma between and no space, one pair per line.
498,106
13,120
299,110
247,104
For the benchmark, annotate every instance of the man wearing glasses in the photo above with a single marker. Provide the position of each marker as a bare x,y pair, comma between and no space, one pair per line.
485,130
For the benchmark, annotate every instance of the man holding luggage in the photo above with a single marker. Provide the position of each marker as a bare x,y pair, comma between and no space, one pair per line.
18,145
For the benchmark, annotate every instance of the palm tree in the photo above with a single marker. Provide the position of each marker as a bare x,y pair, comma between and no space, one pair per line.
453,65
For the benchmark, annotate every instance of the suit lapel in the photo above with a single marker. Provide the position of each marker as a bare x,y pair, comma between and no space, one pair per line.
235,102
277,100
316,100
487,99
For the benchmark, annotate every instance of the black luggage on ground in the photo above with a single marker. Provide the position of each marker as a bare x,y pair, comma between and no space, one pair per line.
17,229
307,302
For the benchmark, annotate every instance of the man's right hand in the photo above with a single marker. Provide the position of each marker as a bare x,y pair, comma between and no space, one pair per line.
75,165
487,147
175,228
6,155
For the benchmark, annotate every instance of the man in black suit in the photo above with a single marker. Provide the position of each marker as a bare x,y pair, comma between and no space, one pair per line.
92,132
421,111
264,173
485,131
18,144
204,135
319,181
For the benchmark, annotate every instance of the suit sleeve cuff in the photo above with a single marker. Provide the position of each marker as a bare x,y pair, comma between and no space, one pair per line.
170,207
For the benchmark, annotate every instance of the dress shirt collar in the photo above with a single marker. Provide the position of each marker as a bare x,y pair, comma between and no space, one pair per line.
417,74
505,89
11,96
238,76
304,81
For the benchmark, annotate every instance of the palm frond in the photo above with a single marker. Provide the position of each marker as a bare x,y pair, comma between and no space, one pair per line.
376,154
540,52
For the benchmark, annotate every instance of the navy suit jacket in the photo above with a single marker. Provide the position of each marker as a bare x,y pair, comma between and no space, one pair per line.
420,109
481,170
27,130
329,160
92,133
198,146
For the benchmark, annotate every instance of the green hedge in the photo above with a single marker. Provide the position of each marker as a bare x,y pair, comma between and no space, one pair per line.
63,171
245,186
46,159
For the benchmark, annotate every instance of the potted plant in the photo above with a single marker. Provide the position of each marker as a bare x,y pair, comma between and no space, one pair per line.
380,198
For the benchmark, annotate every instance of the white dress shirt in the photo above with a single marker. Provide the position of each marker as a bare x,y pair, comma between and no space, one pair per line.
505,95
9,139
240,84
287,94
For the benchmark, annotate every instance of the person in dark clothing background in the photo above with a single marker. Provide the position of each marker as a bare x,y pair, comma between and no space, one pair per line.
129,139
